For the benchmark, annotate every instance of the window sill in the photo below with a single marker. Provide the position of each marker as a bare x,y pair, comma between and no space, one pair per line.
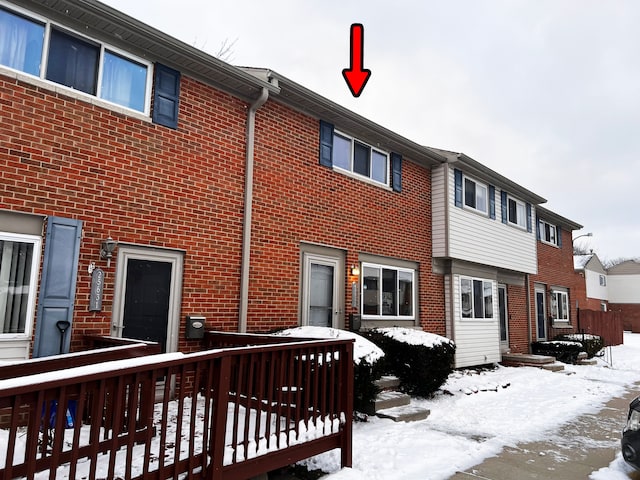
363,179
70,92
561,325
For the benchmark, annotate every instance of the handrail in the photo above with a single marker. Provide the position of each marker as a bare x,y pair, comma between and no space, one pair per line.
229,413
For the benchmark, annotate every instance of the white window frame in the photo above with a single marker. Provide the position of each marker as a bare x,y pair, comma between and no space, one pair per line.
485,283
521,220
350,171
381,316
33,282
560,297
48,25
477,184
553,238
603,280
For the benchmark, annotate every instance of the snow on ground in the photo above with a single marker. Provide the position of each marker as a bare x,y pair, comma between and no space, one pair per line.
513,405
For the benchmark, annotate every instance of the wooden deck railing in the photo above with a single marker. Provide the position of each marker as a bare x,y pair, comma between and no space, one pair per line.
229,413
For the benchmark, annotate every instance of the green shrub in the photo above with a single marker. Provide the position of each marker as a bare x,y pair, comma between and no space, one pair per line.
422,366
564,351
591,344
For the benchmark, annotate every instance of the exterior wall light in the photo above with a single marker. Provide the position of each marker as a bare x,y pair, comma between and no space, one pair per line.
355,270
106,249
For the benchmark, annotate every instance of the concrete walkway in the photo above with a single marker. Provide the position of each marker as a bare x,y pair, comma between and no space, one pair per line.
579,448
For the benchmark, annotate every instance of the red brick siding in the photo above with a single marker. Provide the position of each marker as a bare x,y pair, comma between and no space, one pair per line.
517,311
137,182
555,269
297,200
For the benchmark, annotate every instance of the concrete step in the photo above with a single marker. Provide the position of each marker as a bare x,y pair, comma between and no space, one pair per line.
406,413
529,360
386,400
588,361
388,382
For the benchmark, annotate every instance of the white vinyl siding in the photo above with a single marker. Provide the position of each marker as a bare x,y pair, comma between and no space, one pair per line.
624,288
594,287
480,239
438,212
477,340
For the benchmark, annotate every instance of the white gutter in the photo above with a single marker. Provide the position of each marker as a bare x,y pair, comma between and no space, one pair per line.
248,210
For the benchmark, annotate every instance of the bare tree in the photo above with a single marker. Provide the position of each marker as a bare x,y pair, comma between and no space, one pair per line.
225,52
617,261
582,249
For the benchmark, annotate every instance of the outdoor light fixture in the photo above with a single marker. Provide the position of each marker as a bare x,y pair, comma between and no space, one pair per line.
590,234
355,270
107,248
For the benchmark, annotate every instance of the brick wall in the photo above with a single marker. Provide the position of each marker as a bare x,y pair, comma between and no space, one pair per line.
297,200
555,269
517,311
136,182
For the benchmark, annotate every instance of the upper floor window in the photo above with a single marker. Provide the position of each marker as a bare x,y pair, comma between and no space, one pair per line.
387,291
516,212
475,195
72,60
476,298
357,157
603,281
548,232
19,255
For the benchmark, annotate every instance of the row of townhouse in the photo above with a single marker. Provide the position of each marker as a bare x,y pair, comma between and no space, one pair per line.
146,186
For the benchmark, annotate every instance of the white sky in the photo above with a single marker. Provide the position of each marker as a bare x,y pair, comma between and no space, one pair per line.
546,92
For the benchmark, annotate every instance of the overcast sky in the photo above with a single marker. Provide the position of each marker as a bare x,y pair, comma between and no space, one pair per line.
546,92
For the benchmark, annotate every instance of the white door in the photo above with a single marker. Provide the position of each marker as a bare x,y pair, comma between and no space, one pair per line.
322,286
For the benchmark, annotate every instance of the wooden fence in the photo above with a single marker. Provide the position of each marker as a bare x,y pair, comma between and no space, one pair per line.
606,324
227,413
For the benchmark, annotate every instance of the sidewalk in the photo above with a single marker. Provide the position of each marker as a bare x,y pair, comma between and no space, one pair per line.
579,448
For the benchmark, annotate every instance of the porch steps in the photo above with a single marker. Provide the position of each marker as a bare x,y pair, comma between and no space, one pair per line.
583,360
529,360
396,405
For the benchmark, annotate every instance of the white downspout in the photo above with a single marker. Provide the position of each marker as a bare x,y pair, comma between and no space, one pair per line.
248,210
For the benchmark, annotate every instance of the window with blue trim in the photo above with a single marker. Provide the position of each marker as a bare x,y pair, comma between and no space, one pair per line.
73,60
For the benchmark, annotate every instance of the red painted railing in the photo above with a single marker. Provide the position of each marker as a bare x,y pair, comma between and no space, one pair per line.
228,413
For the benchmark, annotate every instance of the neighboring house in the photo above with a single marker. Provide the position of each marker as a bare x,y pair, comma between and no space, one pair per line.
556,289
596,281
624,292
230,195
484,243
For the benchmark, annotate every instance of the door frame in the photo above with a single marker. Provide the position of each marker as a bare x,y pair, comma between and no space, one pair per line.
540,289
504,344
324,256
138,252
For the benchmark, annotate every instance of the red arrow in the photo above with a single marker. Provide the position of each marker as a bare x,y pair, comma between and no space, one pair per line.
356,75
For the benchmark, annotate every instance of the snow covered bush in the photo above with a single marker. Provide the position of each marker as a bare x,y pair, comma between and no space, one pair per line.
422,361
564,351
592,344
367,366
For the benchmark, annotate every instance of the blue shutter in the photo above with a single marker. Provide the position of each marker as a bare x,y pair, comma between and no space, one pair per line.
492,202
529,225
166,98
396,172
326,144
538,229
457,174
559,235
58,285
503,201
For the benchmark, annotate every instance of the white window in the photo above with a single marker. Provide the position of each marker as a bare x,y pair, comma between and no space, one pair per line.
560,306
476,298
603,281
42,49
19,260
475,195
516,212
387,292
356,157
548,232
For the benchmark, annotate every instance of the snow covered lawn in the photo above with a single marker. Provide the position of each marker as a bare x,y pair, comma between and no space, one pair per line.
512,405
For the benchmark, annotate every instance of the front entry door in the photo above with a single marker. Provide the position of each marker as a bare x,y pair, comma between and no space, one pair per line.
541,321
322,301
146,301
504,318
148,295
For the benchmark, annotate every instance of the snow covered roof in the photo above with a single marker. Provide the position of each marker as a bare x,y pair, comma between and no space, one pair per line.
580,261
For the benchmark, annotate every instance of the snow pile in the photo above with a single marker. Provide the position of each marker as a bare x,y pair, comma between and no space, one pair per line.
363,349
412,336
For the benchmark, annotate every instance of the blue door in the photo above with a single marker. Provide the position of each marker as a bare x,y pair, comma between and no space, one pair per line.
541,320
